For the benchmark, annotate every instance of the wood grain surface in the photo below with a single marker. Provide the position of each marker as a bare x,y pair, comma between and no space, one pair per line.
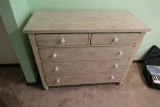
108,38
72,67
37,58
83,21
49,40
86,78
90,50
87,53
133,54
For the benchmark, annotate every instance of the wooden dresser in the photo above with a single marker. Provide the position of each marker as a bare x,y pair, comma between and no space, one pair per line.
84,47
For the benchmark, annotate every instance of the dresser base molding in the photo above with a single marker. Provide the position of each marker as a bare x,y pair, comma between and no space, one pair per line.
79,85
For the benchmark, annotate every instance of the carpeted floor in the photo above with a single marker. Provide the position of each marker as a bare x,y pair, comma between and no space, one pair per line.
133,93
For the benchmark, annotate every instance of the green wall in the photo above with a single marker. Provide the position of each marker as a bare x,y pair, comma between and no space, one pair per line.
21,13
20,10
145,10
13,19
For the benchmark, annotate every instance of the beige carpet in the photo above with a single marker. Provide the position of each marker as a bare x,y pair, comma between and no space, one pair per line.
133,93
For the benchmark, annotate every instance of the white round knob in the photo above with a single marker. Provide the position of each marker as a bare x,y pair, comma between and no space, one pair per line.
112,77
62,40
58,80
120,53
115,39
56,69
54,55
116,65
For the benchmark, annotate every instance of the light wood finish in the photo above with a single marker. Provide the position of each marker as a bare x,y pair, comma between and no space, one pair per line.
71,67
46,87
132,56
83,21
49,40
36,55
110,38
84,47
85,78
94,53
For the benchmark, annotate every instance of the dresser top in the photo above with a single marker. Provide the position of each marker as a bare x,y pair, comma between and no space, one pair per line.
83,21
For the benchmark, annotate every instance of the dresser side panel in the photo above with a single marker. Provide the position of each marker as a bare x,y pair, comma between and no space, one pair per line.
133,54
36,55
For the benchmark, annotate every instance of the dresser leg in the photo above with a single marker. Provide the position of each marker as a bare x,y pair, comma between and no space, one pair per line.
46,87
120,83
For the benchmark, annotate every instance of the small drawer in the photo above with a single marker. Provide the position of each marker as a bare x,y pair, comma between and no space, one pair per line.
85,53
114,38
71,67
78,79
53,40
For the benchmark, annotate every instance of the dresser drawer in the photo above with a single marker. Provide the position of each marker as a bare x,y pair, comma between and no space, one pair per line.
77,79
114,38
71,67
86,53
49,40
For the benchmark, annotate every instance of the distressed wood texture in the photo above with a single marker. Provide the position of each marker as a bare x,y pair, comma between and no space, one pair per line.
83,21
49,40
36,55
87,53
73,67
133,54
85,78
84,47
114,38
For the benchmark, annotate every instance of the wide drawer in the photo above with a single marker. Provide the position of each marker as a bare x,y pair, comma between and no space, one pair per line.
71,67
77,79
85,53
114,38
49,40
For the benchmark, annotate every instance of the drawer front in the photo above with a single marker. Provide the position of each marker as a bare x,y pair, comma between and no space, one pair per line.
87,53
71,67
77,79
114,39
49,40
